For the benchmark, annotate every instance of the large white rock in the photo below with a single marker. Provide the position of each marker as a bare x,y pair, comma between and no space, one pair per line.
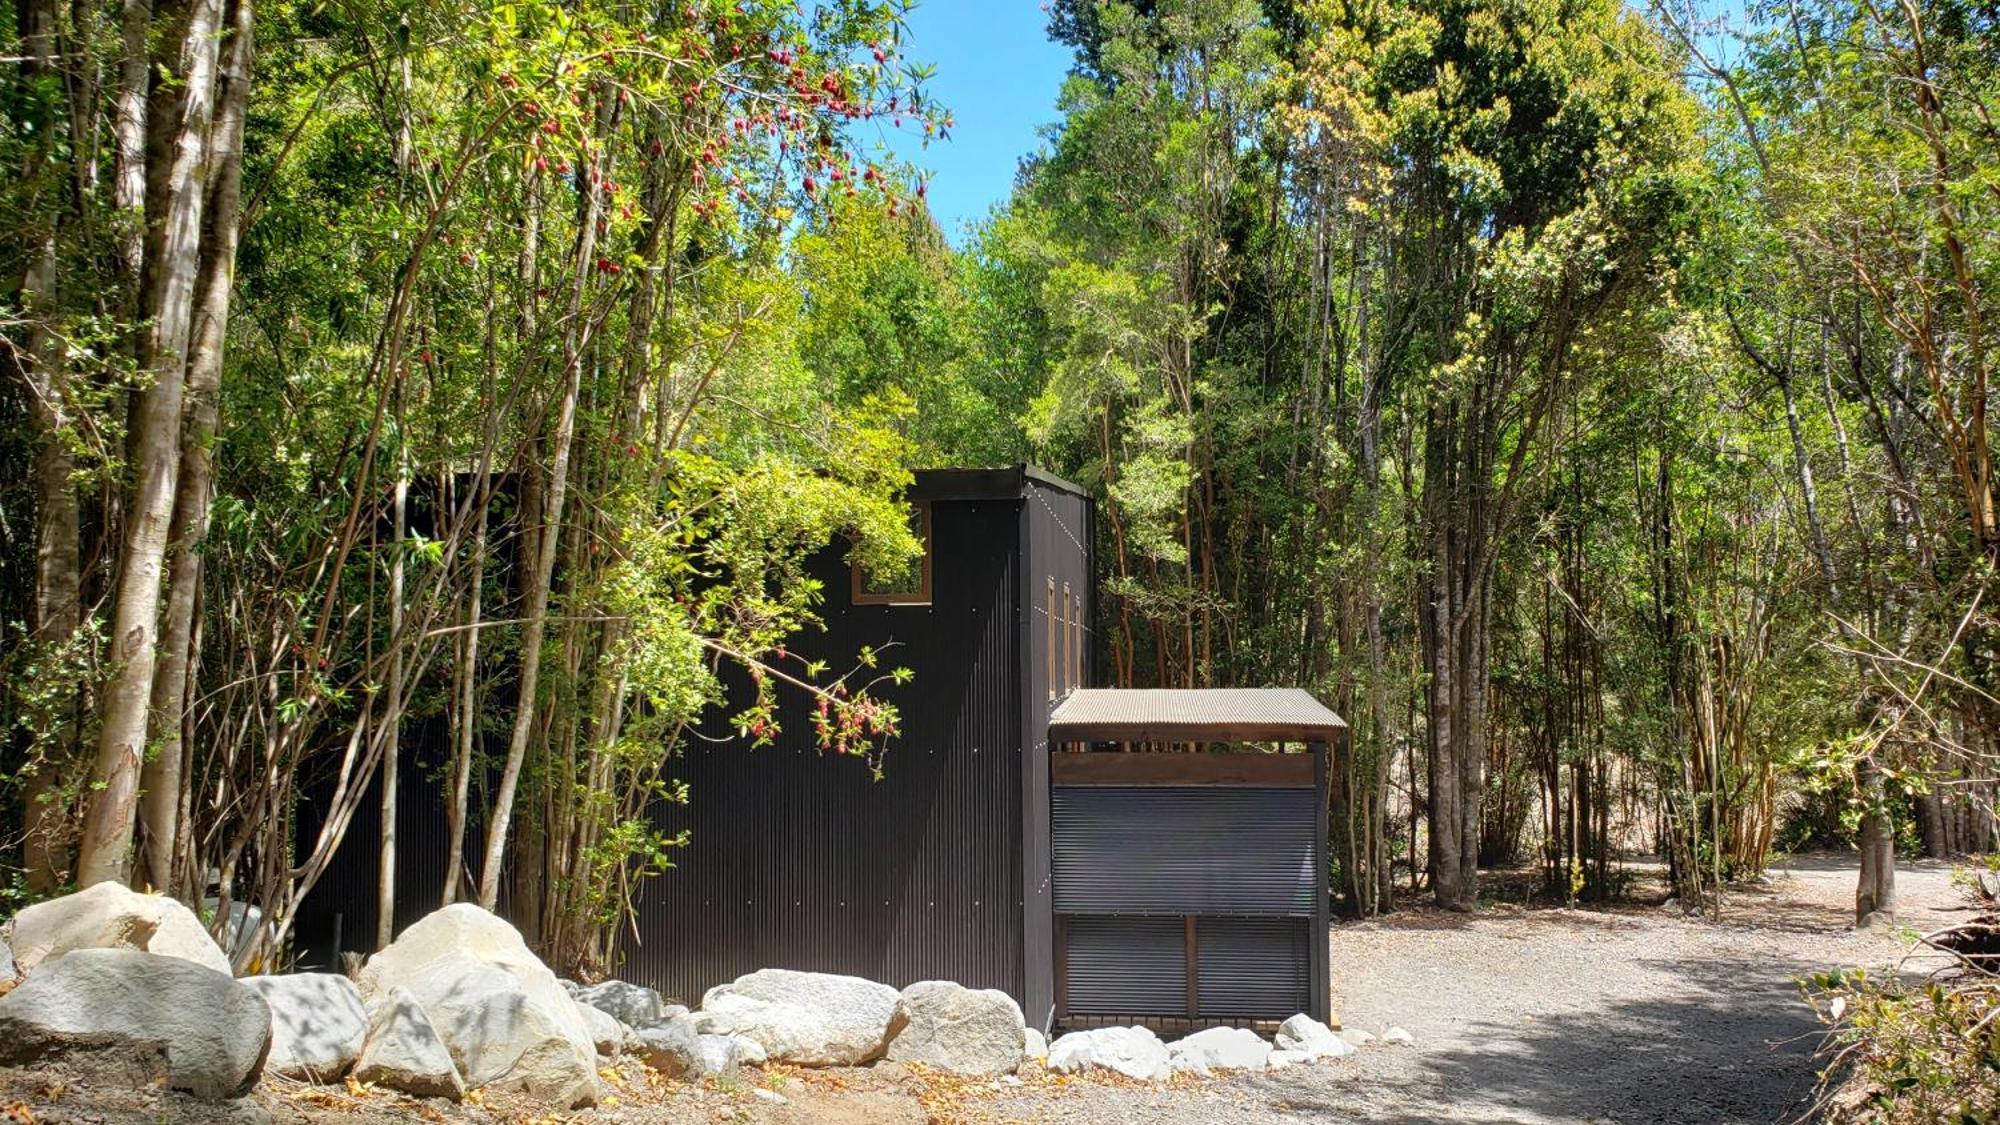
812,1019
1134,1052
112,916
504,1016
209,1032
1305,1034
1219,1048
957,1029
404,1052
634,1005
317,1024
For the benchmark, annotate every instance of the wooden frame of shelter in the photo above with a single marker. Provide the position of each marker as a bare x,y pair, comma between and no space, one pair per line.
1190,887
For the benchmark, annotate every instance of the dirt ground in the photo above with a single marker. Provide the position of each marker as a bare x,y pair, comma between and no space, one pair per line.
1519,1015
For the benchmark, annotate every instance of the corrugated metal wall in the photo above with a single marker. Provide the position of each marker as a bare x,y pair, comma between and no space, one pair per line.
1058,649
802,861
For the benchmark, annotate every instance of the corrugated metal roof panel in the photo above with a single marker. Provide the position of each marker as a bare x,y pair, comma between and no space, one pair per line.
1193,715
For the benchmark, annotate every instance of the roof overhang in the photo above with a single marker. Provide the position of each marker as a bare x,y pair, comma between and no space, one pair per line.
1193,715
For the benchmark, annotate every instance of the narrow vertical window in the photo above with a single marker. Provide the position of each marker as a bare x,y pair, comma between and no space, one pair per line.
1069,642
1076,630
1049,617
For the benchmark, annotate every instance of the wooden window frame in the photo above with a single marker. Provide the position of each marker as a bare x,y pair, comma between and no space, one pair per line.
1069,642
1049,616
922,594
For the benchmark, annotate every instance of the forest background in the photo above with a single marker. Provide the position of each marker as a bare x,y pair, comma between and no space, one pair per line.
1588,401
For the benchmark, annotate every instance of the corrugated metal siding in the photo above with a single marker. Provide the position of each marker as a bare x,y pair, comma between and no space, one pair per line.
1056,531
1172,850
1119,966
1252,968
802,861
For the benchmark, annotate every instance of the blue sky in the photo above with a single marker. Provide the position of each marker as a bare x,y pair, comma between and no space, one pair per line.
999,75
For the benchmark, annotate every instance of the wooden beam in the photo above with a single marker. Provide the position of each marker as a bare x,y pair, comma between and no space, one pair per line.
1265,771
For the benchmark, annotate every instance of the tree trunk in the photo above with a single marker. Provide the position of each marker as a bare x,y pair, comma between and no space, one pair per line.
174,254
58,541
1875,897
162,780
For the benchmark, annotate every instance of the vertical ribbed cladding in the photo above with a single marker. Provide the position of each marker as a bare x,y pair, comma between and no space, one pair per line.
801,860
1056,533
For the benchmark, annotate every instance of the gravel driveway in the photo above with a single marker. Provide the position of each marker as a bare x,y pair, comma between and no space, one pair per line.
1632,1015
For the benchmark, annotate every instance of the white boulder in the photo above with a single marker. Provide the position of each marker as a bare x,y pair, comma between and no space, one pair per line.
404,1052
634,1005
1219,1048
1355,1037
1302,1033
317,1024
1397,1037
812,1019
1279,1060
201,1030
112,916
977,1032
1037,1045
1134,1052
505,1018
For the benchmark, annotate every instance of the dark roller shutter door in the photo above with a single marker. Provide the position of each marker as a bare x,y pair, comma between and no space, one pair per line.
1125,966
1253,968
1175,851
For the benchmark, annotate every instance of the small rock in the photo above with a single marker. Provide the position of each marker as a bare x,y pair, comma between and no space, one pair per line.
678,1049
1279,1060
7,973
959,1030
199,1029
1355,1037
318,1025
812,1019
1397,1037
112,916
606,1033
1219,1048
1306,1034
1036,1046
766,1095
1134,1052
631,1004
404,1052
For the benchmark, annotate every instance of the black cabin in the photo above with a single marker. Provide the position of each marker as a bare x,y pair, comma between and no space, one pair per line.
940,870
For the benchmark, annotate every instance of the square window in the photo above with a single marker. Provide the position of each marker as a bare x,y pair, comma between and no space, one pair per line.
913,586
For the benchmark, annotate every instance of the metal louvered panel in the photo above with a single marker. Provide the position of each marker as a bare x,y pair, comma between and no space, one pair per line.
1253,968
1121,966
1171,850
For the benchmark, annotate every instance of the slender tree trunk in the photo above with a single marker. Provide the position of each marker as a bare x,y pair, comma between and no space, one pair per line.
162,780
1875,896
392,720
108,826
58,541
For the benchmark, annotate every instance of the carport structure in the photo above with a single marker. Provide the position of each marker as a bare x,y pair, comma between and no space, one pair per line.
1188,855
